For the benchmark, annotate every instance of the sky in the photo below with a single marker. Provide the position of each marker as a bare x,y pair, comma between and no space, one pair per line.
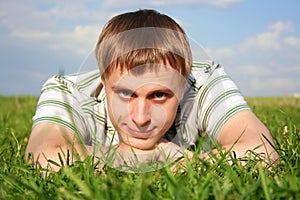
257,42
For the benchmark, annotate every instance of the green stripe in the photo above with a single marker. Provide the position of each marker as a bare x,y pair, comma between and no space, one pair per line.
60,88
88,81
216,102
94,114
88,106
225,117
57,83
90,102
210,85
202,64
61,104
61,122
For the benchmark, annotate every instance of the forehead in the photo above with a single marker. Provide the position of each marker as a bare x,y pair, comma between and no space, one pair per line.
163,76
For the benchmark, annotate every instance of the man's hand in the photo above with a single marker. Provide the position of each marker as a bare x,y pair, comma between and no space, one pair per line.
47,141
169,150
243,133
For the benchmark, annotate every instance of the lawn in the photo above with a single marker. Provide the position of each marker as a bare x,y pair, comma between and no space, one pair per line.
200,180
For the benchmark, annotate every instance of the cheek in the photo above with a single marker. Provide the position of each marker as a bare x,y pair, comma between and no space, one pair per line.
171,111
158,114
164,115
118,109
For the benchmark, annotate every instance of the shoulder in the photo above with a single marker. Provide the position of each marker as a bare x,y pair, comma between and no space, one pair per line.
84,82
203,72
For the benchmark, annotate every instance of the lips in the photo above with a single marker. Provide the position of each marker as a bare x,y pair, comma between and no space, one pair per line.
144,134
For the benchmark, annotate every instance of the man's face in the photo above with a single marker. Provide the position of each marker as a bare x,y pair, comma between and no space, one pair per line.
143,107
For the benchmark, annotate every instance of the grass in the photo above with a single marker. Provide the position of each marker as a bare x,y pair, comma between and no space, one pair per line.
19,180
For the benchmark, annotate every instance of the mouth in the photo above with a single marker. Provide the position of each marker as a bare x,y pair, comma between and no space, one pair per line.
141,134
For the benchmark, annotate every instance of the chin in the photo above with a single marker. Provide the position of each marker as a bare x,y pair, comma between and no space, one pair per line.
142,144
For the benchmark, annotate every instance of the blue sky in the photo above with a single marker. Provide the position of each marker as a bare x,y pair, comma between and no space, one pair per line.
257,42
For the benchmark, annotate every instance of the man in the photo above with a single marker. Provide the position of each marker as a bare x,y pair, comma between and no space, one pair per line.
148,102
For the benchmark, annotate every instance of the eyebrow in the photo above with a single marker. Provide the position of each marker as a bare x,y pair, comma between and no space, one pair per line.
117,88
163,89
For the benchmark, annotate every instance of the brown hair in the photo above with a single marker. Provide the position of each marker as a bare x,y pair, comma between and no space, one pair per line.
142,37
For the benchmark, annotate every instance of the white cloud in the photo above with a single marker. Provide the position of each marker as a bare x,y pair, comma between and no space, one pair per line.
31,35
280,27
73,10
222,53
292,69
264,62
272,86
254,69
165,3
270,41
80,40
292,41
63,26
266,40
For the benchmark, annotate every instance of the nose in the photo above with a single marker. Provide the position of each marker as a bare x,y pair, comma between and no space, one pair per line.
140,113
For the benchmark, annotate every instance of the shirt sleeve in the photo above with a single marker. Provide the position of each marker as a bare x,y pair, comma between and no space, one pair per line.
60,103
218,99
210,99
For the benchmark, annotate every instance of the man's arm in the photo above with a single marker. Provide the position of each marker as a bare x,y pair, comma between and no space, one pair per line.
244,132
48,140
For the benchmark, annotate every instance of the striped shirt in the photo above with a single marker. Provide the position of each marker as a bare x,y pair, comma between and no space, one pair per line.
210,99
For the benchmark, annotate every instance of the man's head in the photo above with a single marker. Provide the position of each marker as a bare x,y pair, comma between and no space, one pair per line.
144,58
142,37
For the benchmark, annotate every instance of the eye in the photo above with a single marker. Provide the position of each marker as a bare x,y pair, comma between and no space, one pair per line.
159,95
124,94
